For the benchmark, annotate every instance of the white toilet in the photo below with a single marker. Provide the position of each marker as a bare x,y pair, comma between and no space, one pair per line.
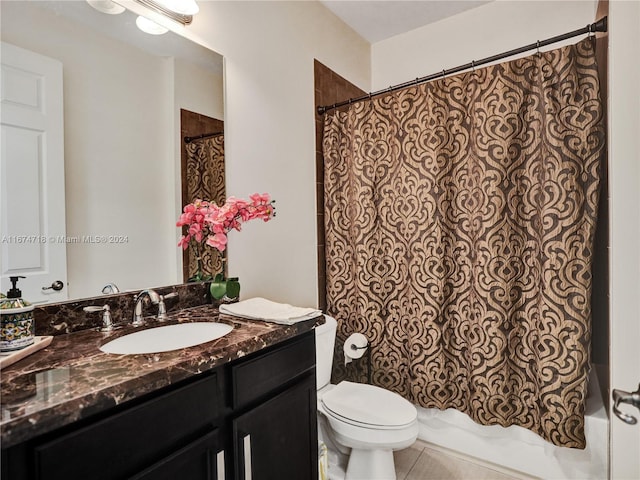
369,420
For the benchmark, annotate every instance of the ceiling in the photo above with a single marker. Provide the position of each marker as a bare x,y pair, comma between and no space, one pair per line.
374,20
381,19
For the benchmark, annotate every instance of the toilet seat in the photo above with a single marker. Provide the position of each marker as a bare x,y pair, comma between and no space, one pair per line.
368,406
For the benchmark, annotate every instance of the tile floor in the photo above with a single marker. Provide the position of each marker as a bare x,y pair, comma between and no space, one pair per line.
419,462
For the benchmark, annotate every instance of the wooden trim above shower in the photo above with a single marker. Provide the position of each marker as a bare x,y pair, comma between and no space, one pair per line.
329,88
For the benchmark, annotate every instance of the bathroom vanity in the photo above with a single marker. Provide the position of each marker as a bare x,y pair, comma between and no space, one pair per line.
239,407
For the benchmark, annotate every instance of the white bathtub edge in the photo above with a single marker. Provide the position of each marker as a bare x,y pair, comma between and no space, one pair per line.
516,451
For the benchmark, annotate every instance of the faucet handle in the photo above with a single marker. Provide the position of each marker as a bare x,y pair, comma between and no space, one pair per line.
107,324
162,308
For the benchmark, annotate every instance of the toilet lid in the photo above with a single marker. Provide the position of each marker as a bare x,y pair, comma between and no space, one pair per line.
368,404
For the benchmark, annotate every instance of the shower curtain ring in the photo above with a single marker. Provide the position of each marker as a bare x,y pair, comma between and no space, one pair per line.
538,47
473,66
444,73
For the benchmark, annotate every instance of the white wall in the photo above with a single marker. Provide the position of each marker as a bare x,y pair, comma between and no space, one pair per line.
624,226
196,89
269,48
478,33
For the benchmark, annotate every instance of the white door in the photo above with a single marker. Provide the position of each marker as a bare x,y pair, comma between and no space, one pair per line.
32,208
624,188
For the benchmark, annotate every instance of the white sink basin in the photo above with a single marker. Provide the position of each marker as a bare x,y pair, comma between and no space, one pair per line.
167,338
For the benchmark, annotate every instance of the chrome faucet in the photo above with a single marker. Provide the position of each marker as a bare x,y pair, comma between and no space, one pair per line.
137,308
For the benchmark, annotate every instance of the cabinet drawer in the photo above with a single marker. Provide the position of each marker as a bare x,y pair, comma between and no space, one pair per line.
132,439
254,377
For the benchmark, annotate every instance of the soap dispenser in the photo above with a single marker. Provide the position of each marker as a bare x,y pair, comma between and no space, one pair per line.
17,326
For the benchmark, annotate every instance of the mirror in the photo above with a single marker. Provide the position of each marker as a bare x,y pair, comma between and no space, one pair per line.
123,95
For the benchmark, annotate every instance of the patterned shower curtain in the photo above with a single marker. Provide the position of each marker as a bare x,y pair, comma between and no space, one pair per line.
460,217
205,180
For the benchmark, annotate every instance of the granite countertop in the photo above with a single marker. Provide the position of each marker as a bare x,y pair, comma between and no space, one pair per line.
72,379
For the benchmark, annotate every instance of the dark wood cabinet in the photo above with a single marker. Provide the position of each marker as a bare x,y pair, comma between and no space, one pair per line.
274,425
278,438
258,411
124,443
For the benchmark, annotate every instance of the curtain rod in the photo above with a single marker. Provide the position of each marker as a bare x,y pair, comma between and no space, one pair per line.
599,26
200,137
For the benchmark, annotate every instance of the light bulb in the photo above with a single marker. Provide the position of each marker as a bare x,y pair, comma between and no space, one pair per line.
149,26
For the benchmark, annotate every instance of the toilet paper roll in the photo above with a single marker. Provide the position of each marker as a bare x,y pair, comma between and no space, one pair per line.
354,347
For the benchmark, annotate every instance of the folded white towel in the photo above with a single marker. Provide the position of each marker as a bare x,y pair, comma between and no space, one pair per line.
258,308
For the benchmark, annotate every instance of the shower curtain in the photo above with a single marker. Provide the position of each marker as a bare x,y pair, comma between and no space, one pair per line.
459,222
205,180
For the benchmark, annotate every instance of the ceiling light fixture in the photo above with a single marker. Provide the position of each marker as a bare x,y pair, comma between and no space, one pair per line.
180,11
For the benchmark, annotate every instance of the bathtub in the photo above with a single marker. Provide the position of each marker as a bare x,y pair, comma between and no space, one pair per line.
517,451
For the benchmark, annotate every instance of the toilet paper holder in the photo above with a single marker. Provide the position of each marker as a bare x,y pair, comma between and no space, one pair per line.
367,357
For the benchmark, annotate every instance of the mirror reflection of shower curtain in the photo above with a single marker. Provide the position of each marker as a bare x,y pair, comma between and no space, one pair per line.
205,180
459,222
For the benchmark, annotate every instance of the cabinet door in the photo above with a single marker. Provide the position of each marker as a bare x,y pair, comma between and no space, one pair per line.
132,439
278,439
202,459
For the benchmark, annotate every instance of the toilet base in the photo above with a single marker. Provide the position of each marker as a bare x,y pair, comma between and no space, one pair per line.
371,465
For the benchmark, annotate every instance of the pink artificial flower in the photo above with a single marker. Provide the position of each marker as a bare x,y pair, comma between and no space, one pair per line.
217,241
195,230
258,199
210,223
185,218
184,242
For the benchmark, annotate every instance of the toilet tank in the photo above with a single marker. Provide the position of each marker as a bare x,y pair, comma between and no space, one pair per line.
325,341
